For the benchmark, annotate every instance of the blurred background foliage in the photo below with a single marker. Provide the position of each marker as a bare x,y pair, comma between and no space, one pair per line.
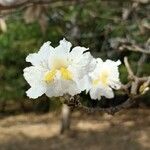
96,24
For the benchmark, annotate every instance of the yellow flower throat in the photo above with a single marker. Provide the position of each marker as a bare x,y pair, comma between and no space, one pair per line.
103,78
61,66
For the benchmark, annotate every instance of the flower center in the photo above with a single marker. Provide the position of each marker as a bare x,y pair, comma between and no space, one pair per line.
61,66
66,74
103,78
49,76
59,63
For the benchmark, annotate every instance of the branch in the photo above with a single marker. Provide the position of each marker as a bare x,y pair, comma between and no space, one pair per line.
138,84
130,72
141,61
16,5
75,103
28,3
128,67
111,110
135,48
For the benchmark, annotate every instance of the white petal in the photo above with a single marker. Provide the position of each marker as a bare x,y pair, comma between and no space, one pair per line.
55,89
35,92
113,63
67,86
84,83
34,75
61,87
113,79
52,91
95,93
108,93
118,62
73,89
97,65
99,61
81,66
63,48
115,84
41,58
77,51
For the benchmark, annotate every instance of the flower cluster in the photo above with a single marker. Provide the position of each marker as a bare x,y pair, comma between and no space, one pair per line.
62,70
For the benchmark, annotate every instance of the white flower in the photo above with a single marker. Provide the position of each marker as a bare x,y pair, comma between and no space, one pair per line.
57,71
104,78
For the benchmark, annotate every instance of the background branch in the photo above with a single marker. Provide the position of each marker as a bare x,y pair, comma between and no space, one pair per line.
135,48
128,67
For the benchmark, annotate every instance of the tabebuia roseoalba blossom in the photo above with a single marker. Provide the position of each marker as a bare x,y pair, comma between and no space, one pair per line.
57,71
62,70
104,78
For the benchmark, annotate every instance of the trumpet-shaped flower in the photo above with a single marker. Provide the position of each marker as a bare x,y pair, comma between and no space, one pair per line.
57,71
104,78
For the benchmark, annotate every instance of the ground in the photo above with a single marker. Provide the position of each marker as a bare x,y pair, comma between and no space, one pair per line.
127,130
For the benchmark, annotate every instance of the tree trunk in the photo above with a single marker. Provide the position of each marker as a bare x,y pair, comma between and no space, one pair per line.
65,119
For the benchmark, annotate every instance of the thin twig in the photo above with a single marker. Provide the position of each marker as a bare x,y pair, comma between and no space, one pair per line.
127,65
29,2
140,64
135,48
